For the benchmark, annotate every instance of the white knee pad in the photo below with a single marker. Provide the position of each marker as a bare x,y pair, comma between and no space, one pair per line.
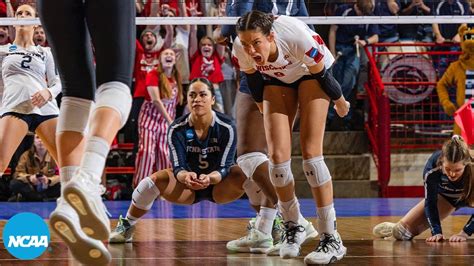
253,192
145,194
316,171
399,232
74,115
250,161
115,95
280,174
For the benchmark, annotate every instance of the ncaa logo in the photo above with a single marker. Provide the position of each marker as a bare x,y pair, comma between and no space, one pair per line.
26,236
12,48
189,134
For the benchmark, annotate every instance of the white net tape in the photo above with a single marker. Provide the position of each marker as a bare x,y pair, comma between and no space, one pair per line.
329,20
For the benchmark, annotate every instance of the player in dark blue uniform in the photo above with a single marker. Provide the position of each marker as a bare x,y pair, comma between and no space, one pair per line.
448,181
202,147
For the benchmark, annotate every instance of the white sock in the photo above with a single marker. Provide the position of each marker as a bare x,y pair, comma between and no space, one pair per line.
327,219
93,160
302,221
66,173
131,219
264,222
290,210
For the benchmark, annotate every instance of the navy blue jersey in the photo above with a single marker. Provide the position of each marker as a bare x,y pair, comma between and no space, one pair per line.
215,153
438,183
382,9
444,8
345,33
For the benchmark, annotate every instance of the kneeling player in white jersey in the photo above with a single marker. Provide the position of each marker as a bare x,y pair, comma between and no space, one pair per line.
30,86
291,63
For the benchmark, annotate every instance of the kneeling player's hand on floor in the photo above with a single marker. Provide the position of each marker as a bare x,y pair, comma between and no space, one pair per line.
435,238
460,237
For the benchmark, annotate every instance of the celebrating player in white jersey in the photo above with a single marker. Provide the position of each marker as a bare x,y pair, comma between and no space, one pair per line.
288,66
30,86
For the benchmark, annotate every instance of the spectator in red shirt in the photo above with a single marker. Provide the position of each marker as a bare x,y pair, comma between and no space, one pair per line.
147,53
206,60
164,92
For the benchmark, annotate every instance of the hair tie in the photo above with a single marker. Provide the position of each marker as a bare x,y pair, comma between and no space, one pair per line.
456,137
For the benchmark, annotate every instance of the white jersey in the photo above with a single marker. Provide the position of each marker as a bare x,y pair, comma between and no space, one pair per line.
25,72
298,46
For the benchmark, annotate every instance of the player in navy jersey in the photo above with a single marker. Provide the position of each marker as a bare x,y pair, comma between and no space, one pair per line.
29,85
448,181
202,147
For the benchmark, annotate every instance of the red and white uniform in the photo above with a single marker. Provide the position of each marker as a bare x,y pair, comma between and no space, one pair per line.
298,48
153,154
144,63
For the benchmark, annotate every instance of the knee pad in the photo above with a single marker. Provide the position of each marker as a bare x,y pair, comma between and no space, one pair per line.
115,95
250,161
252,190
74,115
399,232
316,171
145,194
280,174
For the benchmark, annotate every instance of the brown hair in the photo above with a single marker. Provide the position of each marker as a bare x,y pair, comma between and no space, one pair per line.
206,38
255,20
365,6
456,150
165,86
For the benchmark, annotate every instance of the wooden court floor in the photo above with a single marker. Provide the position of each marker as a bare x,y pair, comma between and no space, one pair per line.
202,242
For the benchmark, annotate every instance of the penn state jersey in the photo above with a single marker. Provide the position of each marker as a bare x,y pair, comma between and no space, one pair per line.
214,153
436,182
25,72
299,47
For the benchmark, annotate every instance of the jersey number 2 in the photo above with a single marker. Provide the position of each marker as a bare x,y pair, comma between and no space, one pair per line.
26,59
202,163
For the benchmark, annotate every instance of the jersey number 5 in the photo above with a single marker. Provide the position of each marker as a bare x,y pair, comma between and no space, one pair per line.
202,163
26,59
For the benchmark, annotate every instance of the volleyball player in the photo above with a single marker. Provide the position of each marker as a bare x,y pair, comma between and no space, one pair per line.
448,181
287,65
73,28
202,147
30,86
252,146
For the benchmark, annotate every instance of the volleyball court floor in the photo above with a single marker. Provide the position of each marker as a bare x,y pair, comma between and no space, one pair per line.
196,235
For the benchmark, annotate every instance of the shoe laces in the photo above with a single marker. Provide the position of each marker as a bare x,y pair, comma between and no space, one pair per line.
328,241
251,224
290,232
123,224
